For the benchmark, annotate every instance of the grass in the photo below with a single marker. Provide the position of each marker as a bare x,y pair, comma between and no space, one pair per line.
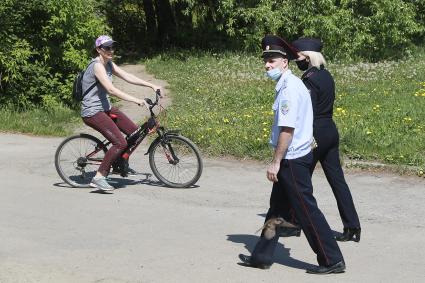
223,102
56,122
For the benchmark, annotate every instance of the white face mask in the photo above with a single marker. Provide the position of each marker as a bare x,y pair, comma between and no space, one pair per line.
274,74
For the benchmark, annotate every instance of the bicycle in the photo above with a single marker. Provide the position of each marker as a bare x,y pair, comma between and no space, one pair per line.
174,159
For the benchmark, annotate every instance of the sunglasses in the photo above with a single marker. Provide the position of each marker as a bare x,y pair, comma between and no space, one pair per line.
108,48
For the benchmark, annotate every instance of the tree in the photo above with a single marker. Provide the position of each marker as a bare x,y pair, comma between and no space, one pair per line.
44,43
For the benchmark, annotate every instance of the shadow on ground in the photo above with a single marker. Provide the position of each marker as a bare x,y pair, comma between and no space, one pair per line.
281,256
121,183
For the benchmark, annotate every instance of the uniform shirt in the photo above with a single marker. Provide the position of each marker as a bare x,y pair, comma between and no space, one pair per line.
292,108
322,91
97,100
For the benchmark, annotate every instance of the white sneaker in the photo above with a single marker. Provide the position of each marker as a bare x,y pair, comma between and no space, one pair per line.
101,184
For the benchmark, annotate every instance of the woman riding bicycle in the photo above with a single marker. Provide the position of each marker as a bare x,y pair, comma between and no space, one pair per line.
97,111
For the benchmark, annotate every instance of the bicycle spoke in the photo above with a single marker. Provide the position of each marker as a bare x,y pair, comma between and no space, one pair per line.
176,163
72,163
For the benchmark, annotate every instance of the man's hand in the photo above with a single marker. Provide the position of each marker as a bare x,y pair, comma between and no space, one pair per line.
285,138
272,171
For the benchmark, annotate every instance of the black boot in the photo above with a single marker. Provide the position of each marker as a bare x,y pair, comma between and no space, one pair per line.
349,234
289,232
248,262
336,268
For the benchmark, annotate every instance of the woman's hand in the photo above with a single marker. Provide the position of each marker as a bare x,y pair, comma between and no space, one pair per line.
141,102
157,88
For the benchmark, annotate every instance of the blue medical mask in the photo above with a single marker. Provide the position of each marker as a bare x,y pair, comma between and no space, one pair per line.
274,74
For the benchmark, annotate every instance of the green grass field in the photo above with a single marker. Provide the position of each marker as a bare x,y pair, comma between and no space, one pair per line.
57,122
223,102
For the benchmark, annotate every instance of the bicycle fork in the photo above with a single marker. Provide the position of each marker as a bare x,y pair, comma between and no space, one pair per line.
169,153
166,146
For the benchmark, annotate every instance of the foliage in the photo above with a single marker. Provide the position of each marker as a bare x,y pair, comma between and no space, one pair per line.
351,29
223,102
43,44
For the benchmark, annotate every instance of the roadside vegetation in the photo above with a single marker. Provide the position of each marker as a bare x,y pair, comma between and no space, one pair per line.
223,102
221,98
58,121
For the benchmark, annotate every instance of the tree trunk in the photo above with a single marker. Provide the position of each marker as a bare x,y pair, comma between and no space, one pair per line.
151,29
166,23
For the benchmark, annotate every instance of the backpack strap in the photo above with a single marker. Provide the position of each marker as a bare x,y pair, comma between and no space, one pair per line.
90,88
94,84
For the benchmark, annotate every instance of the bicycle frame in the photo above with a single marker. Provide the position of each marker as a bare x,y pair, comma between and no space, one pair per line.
142,132
174,159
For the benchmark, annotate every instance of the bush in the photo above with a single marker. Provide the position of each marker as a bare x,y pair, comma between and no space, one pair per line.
351,29
44,43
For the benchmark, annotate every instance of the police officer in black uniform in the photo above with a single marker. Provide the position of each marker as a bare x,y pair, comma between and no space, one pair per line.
292,135
322,90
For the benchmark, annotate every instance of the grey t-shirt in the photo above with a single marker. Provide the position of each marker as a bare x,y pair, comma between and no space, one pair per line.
97,100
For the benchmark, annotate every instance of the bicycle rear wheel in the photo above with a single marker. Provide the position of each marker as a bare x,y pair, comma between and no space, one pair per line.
175,161
78,158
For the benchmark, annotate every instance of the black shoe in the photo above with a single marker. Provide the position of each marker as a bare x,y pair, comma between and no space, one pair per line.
128,172
336,268
289,232
349,234
247,261
132,172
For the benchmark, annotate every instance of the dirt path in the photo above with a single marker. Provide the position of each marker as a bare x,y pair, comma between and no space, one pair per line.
144,232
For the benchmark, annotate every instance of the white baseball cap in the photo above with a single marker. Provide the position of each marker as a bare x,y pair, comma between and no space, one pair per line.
104,40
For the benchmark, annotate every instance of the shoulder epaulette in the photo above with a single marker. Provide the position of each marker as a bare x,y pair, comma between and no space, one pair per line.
309,73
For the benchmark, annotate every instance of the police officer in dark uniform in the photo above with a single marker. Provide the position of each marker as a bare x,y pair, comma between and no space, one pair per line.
322,90
291,138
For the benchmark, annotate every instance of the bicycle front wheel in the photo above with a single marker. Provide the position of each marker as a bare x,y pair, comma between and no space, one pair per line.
175,161
78,158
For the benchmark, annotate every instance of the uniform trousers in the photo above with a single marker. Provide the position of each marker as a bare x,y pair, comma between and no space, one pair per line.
327,152
295,190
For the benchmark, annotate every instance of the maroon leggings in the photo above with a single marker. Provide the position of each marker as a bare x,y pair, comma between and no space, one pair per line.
111,130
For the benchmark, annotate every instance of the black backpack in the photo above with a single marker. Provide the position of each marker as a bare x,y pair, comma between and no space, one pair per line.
77,87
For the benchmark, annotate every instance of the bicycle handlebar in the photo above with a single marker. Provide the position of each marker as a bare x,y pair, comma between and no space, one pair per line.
151,103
